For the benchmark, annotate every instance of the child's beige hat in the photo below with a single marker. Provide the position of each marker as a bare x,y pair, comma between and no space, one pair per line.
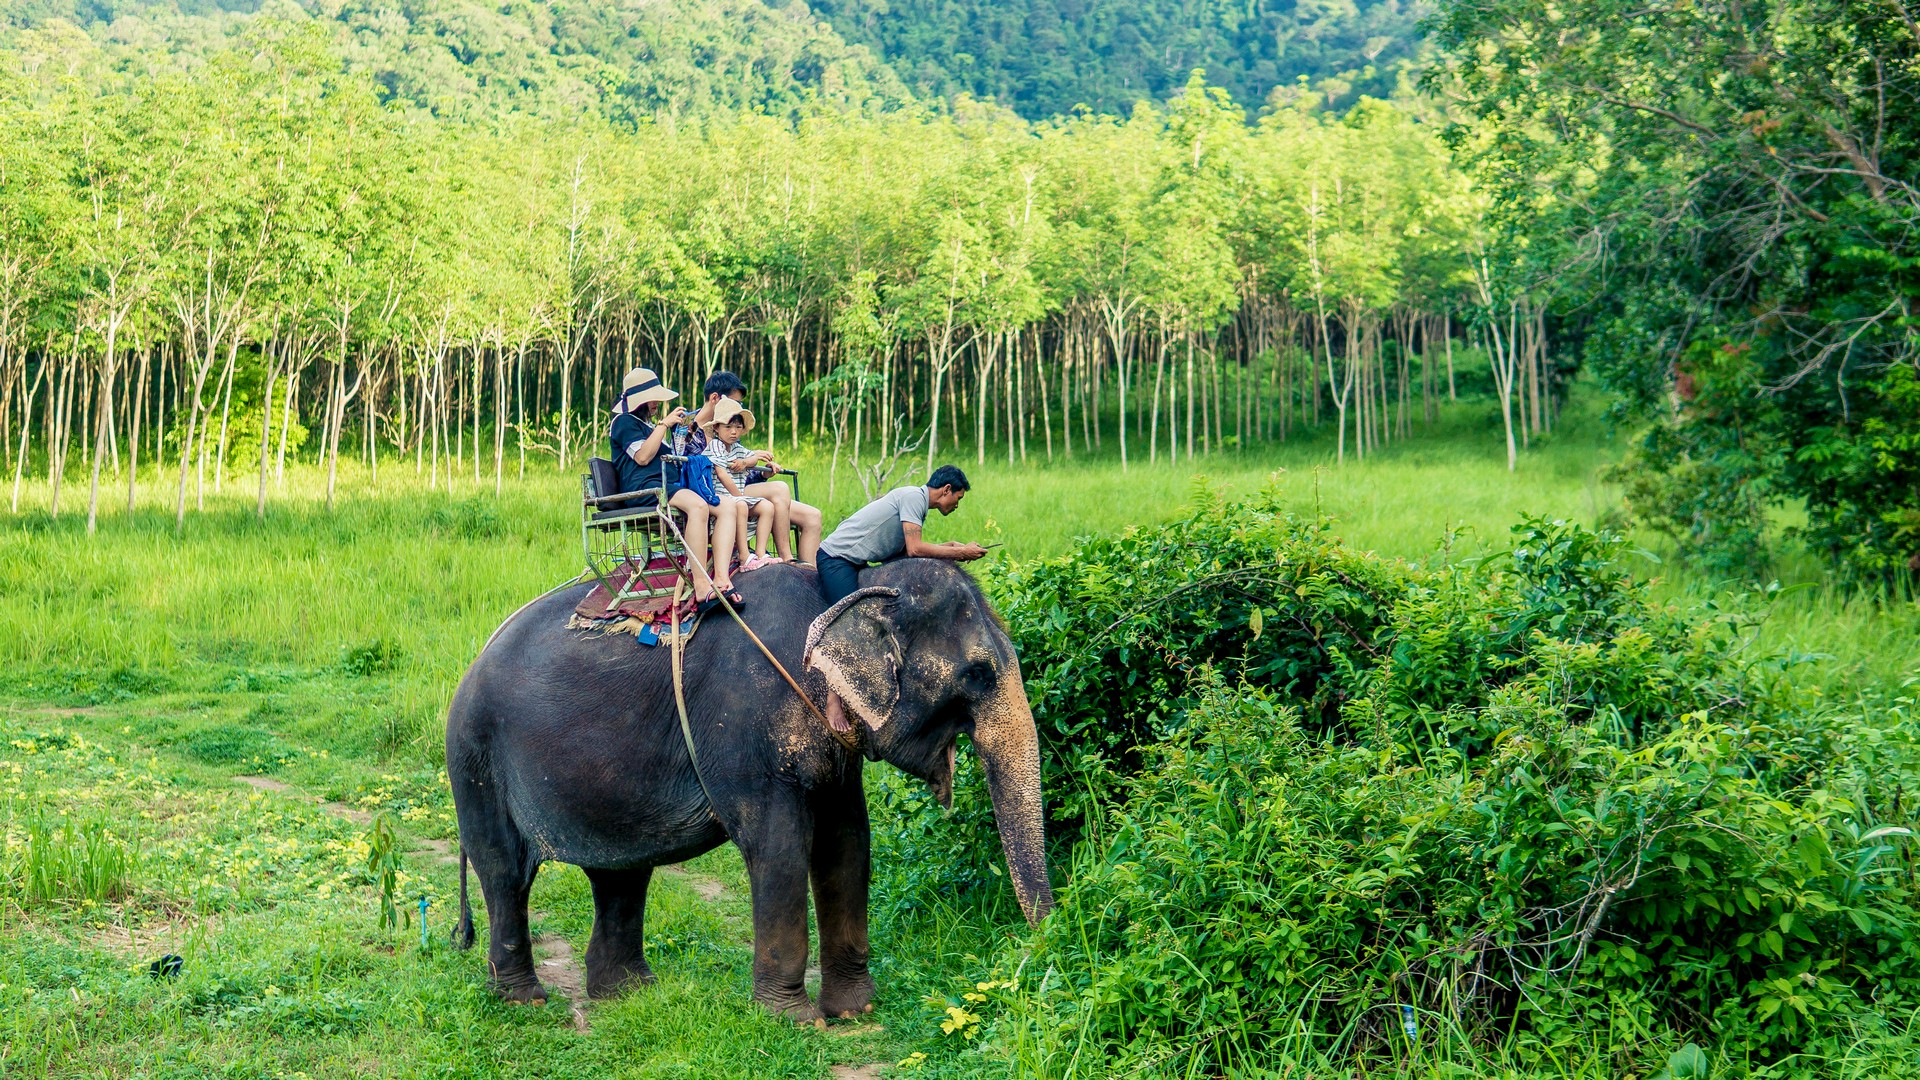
725,410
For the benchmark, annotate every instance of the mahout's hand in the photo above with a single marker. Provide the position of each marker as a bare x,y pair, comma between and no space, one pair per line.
969,552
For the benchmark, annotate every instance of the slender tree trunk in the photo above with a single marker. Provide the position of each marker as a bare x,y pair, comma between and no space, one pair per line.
286,422
133,435
160,414
26,419
793,388
226,409
336,410
1190,401
520,401
63,422
1159,380
500,418
273,360
103,420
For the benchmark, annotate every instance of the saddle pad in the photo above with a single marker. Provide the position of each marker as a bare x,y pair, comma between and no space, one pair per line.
661,573
648,633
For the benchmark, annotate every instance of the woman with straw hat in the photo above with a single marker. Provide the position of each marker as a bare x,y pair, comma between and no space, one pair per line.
637,441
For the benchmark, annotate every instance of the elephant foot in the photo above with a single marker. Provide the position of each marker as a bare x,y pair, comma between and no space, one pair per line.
616,979
847,998
521,994
800,1010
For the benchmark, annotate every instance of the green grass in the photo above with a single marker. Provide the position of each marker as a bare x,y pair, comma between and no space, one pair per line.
141,671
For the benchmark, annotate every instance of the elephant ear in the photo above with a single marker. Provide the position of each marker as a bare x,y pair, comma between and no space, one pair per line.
853,646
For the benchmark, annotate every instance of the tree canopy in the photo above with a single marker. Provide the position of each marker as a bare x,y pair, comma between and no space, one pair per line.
262,223
1720,199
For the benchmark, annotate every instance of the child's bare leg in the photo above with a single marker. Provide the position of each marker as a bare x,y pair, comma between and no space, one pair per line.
783,523
725,520
741,528
763,530
782,499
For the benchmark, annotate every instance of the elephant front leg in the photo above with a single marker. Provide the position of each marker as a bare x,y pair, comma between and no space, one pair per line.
616,955
842,871
777,866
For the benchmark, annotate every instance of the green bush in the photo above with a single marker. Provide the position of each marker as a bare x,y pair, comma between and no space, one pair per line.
376,657
1299,787
1536,891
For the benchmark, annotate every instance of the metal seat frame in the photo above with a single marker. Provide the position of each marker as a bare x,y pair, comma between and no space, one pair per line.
615,532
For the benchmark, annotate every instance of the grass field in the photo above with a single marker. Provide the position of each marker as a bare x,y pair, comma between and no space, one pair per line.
143,672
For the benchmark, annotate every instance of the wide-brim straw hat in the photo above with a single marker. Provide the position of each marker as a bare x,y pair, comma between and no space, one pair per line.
725,410
640,386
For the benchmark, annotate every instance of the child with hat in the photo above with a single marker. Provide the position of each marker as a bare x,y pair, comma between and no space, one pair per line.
731,421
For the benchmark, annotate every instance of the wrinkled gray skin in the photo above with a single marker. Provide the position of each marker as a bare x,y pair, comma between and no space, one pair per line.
566,746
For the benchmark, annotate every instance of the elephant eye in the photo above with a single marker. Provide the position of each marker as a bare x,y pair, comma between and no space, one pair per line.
978,677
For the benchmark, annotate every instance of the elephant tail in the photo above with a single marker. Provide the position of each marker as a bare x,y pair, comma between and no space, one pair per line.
463,930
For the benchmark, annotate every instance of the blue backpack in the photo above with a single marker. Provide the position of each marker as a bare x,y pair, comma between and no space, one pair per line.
697,476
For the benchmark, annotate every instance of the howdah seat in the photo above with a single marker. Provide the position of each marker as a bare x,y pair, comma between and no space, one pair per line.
618,529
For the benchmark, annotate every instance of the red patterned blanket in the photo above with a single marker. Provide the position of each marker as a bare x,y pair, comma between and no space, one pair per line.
661,573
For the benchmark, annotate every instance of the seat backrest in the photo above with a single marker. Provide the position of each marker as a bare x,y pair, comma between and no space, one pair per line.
605,480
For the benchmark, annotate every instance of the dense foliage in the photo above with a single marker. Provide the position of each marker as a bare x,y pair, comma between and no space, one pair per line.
1043,57
667,62
1304,786
1723,197
664,63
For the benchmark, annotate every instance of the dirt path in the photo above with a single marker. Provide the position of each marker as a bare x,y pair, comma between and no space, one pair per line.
708,888
560,973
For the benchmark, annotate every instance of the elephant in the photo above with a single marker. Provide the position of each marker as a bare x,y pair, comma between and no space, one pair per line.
566,745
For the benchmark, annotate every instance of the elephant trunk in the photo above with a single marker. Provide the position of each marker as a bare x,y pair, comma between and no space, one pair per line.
1009,748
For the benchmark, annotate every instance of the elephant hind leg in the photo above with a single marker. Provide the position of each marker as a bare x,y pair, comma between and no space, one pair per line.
505,867
616,955
510,944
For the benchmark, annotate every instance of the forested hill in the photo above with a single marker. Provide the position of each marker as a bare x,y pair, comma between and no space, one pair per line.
663,60
670,60
1043,57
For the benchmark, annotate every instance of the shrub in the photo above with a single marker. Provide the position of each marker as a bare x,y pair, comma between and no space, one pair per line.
1300,787
1537,890
376,657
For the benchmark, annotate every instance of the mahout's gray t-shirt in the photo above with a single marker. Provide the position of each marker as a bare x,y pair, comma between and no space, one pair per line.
875,533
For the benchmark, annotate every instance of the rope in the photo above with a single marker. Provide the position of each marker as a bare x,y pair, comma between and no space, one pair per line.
679,680
574,580
680,699
771,659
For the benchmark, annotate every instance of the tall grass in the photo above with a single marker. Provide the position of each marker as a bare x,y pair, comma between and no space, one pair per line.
421,576
49,858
